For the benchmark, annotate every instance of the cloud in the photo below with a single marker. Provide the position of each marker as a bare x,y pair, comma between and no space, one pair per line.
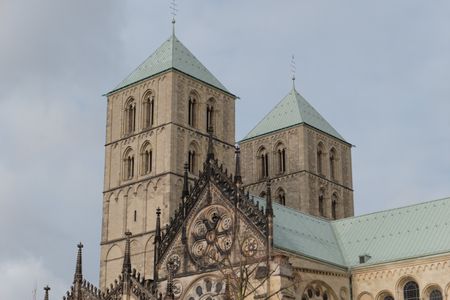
378,72
22,278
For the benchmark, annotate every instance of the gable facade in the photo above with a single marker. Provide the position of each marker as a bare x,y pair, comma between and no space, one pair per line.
178,225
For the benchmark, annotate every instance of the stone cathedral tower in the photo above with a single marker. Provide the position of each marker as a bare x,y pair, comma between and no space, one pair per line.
307,160
157,120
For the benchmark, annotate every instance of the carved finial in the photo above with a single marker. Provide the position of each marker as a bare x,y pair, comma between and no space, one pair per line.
237,171
46,289
78,277
126,268
158,224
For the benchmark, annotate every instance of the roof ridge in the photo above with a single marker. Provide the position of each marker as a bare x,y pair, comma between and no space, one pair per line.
172,54
118,86
391,209
286,114
339,244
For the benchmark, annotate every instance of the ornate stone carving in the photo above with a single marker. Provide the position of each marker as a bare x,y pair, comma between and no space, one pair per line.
210,235
211,288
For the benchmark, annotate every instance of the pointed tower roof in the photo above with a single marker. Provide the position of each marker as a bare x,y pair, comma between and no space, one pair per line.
292,110
172,54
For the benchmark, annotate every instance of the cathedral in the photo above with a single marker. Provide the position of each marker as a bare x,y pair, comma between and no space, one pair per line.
190,213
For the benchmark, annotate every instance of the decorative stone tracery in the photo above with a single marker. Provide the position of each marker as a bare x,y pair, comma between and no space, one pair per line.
206,288
210,235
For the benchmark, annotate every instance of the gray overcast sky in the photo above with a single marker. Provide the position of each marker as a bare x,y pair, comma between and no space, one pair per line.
378,71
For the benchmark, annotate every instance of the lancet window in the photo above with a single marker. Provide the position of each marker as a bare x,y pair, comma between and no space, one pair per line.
130,116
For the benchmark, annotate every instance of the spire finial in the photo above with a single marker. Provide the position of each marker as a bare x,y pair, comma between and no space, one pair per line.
126,268
158,224
174,9
293,69
78,277
237,171
46,289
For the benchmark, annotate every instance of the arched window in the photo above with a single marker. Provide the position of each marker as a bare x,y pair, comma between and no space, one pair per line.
130,116
192,107
388,297
281,197
146,159
334,201
192,158
191,161
321,206
210,115
435,295
149,110
320,158
411,291
128,165
281,158
263,158
332,163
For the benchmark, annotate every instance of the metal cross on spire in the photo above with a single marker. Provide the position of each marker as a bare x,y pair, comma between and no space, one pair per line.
174,9
293,69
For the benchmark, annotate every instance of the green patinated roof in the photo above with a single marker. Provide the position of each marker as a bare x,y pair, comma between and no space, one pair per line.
306,235
172,54
392,235
396,234
292,110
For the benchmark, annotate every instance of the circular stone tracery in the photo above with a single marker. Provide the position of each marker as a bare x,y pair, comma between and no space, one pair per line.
209,288
211,235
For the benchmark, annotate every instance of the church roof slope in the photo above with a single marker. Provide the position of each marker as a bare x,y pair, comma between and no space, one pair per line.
292,110
172,54
307,235
300,233
396,234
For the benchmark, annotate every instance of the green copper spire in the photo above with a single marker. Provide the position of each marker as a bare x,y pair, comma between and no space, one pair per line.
292,110
172,54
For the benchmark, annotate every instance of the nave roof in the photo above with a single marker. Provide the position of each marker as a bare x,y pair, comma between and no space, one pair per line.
397,234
